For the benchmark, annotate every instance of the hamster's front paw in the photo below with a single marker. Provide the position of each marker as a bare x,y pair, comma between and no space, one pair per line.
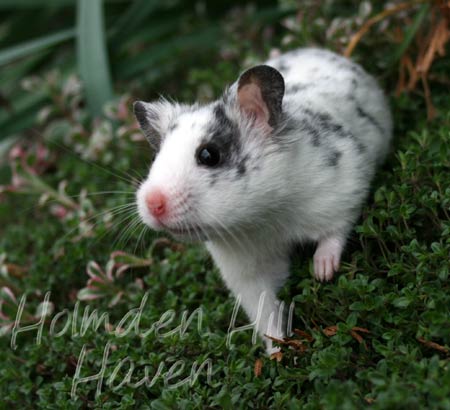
327,258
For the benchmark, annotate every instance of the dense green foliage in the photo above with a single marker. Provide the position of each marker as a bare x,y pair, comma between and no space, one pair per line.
390,302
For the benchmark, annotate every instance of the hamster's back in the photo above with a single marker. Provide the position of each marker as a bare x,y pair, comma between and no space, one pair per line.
325,82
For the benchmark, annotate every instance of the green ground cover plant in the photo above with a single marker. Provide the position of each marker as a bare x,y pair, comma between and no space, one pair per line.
148,318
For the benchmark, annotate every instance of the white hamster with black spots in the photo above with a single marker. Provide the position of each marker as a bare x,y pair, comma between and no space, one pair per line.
286,155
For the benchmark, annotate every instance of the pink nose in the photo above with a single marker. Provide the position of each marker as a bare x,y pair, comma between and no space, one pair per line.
156,203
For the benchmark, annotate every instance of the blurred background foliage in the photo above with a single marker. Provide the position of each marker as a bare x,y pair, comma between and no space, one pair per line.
108,43
141,46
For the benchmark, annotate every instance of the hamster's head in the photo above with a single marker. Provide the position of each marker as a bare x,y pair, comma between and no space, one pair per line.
215,167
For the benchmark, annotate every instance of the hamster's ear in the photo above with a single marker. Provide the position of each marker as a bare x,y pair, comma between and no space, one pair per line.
260,94
155,119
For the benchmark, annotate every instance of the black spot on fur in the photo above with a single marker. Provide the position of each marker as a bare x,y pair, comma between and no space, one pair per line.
313,132
319,129
361,147
369,118
356,69
303,125
214,177
295,88
282,66
225,135
321,125
242,166
338,129
333,158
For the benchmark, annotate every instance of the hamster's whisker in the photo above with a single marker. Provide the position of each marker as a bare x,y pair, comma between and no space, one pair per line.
129,213
88,194
139,239
126,234
204,232
242,238
223,236
103,193
214,229
116,173
226,230
138,175
52,201
114,210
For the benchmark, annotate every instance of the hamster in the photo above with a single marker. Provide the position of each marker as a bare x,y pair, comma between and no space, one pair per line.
285,156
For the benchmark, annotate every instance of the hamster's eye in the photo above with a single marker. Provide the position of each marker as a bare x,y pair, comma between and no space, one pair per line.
208,155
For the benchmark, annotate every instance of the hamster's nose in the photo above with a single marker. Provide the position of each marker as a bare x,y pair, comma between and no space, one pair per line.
156,203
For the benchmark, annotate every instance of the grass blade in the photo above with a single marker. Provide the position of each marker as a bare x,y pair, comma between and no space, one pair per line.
38,4
133,17
92,55
24,4
152,32
24,49
203,39
410,33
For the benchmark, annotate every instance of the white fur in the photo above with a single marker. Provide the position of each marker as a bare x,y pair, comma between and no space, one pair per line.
288,195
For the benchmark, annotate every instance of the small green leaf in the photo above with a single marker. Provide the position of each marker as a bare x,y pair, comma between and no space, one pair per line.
401,302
